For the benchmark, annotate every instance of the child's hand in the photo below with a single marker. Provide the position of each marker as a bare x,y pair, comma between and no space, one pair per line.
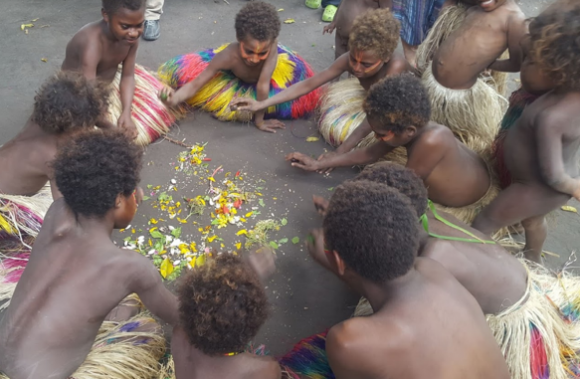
126,122
262,262
327,155
329,28
167,95
303,161
245,104
315,245
269,126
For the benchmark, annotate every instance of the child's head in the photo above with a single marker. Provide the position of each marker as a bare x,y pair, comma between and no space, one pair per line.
396,107
555,43
125,19
69,101
257,28
371,230
222,305
400,178
97,172
488,5
373,38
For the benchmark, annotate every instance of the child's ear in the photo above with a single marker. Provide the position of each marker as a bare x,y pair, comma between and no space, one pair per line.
105,15
119,200
338,263
411,131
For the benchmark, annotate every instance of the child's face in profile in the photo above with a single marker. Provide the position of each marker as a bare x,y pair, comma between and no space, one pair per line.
126,25
364,64
390,138
254,52
126,207
490,5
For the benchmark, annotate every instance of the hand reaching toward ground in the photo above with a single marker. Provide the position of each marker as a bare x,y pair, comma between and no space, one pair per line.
270,126
303,161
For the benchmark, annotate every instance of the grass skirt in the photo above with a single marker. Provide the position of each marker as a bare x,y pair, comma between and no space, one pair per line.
22,216
540,334
215,96
151,117
341,112
519,100
473,115
121,351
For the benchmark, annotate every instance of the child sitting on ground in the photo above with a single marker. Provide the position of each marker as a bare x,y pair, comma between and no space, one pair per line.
76,275
255,66
372,43
65,103
541,149
514,294
347,12
463,96
398,110
425,323
106,50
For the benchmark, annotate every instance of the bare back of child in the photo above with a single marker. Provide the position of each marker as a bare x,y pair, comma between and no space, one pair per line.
541,149
398,111
64,104
76,275
425,323
492,275
487,31
226,301
348,11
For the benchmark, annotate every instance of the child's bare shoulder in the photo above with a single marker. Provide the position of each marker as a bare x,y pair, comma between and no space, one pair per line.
436,135
88,34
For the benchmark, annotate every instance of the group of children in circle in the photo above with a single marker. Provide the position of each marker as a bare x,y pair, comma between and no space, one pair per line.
413,238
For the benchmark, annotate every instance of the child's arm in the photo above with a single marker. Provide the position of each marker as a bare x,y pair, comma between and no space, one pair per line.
550,131
127,89
517,30
145,281
355,137
221,61
295,91
263,91
356,157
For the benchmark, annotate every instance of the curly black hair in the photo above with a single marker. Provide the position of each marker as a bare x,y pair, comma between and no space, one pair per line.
112,6
222,305
377,30
401,178
69,101
258,20
94,167
398,102
556,43
373,228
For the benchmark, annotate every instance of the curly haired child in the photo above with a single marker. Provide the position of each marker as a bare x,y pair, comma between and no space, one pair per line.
541,149
515,295
255,66
398,111
76,276
370,58
106,50
64,104
370,240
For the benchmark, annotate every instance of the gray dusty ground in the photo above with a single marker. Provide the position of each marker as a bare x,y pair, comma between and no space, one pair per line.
305,298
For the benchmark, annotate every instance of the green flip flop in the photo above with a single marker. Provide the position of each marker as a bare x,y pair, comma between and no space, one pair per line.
329,12
314,4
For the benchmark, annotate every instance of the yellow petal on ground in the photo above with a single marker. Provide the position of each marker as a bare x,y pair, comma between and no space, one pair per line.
210,178
281,10
133,230
24,26
166,268
153,221
243,231
259,194
200,260
239,245
211,239
44,60
289,21
121,230
193,247
312,139
569,208
242,219
192,263
249,214
150,242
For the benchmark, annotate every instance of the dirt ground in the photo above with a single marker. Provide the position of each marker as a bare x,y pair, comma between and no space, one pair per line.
305,299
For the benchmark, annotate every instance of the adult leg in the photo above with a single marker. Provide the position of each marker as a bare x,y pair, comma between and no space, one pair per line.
152,15
410,53
536,230
340,44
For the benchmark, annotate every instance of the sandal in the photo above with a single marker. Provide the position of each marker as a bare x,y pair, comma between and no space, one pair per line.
329,12
314,4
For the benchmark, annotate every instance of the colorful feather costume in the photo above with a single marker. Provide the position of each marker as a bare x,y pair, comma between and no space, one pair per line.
539,335
519,100
215,96
22,216
129,349
150,115
306,360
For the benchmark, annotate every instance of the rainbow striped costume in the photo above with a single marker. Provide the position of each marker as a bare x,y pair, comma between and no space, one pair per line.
215,96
